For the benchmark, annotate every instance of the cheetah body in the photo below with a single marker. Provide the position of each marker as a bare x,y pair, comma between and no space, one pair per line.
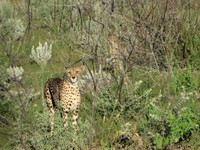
70,97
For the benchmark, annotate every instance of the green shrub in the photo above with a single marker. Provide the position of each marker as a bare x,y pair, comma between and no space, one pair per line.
132,102
175,128
169,126
184,80
107,103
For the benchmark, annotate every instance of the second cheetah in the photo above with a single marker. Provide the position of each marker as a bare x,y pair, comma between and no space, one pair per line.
118,53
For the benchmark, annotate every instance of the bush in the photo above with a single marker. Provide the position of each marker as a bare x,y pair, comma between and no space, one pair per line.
11,27
169,126
184,80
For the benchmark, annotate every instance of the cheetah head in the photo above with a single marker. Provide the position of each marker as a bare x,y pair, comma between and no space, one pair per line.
73,73
112,39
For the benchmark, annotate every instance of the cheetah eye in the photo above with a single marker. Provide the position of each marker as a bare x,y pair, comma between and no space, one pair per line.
77,72
69,72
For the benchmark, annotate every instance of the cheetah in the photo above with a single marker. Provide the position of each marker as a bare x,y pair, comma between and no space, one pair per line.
64,94
118,53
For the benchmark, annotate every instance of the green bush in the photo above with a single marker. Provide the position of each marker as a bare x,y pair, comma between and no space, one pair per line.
107,103
175,128
133,99
169,126
184,80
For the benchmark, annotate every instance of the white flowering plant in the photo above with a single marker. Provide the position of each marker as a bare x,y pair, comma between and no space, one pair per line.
15,73
41,54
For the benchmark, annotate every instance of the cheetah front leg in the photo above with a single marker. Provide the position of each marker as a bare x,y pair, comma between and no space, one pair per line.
65,118
75,119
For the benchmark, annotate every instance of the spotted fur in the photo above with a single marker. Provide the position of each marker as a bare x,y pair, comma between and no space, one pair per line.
64,94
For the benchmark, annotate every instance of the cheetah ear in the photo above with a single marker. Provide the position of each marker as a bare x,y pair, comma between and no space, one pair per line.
82,68
67,68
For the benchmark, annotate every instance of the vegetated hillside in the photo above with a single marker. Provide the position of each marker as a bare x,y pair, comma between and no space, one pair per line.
144,96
